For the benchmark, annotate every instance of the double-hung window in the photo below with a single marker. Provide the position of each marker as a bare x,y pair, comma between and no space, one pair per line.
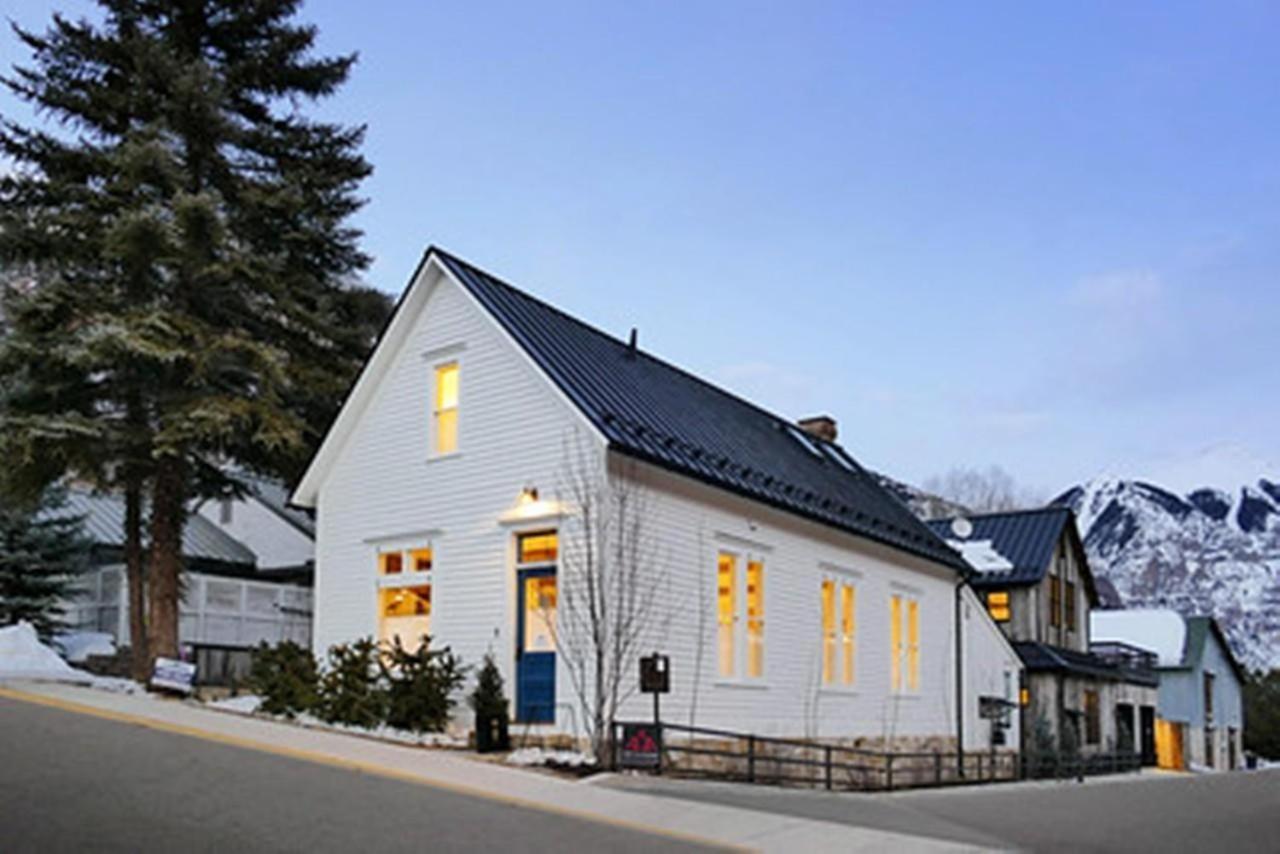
1070,608
444,414
904,643
739,603
998,605
1055,601
838,627
404,595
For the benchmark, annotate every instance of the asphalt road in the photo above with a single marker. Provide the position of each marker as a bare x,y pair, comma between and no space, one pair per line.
1237,812
71,782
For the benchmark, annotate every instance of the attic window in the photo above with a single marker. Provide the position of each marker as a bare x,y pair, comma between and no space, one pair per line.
808,444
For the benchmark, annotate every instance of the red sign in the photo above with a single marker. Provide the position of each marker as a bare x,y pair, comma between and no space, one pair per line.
639,746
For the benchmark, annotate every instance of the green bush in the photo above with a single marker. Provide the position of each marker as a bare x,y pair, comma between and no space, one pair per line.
489,702
420,685
286,677
351,689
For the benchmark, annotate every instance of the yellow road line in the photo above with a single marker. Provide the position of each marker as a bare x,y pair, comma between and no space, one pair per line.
356,765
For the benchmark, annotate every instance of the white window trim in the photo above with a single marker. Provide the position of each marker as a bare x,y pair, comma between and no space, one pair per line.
852,577
755,553
437,359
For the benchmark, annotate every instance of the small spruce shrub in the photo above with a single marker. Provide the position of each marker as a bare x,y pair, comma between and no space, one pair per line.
351,689
419,685
489,702
286,677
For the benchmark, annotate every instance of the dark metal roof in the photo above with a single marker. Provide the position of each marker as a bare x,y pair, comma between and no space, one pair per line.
1025,538
1043,657
653,411
201,539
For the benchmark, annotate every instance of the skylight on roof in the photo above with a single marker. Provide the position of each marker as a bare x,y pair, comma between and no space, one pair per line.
837,453
803,438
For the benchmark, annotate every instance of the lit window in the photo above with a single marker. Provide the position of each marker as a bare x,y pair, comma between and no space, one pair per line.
837,632
446,409
391,563
913,645
755,619
726,610
405,614
538,548
828,631
904,644
998,605
846,631
404,596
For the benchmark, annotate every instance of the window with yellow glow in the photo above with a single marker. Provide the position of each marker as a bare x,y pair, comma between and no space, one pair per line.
446,409
542,547
404,595
755,619
540,613
895,642
828,631
726,611
405,613
846,631
913,645
998,605
837,632
904,643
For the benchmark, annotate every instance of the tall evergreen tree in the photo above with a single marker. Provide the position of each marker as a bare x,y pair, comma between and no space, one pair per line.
43,550
192,241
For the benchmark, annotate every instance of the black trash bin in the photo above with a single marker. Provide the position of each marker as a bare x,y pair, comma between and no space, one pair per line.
491,733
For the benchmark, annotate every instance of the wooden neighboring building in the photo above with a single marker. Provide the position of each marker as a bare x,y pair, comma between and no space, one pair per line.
1031,570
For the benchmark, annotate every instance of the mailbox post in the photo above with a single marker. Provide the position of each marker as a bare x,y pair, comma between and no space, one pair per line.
655,679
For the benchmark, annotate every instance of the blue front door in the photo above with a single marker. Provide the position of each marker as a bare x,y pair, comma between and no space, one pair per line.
535,646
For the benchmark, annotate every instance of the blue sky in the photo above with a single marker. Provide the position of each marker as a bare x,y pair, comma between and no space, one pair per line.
1040,235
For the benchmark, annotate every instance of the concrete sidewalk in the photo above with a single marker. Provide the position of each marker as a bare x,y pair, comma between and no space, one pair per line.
706,823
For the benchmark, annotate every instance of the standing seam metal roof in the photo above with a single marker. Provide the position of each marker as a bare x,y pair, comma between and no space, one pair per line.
201,539
1025,538
656,412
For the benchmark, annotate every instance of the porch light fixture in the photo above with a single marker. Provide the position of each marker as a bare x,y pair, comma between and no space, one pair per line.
528,495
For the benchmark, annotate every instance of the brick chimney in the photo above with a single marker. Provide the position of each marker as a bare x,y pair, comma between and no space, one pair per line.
822,426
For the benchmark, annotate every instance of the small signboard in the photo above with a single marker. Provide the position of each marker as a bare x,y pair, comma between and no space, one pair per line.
655,674
994,708
173,675
640,747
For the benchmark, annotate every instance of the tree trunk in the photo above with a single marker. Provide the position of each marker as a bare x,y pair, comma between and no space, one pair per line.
135,571
168,515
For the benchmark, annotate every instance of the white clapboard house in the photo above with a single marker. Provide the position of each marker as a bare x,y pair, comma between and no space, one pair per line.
794,595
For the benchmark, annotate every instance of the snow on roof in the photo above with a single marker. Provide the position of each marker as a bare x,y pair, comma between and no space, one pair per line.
1160,630
981,555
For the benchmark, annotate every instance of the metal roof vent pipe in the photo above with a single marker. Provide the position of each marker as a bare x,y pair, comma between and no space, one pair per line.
822,426
632,344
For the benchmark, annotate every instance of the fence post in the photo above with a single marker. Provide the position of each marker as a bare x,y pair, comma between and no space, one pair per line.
937,767
979,755
751,759
888,771
827,750
993,763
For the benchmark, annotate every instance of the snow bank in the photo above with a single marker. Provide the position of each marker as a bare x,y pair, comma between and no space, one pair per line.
245,704
22,656
248,704
76,647
538,756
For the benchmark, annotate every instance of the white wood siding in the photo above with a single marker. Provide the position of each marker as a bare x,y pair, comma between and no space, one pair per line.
385,488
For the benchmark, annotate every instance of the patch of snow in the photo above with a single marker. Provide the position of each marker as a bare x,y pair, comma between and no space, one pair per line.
981,555
76,647
1159,630
531,756
245,704
22,656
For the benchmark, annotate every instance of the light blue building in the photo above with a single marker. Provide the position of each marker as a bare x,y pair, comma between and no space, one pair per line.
1200,708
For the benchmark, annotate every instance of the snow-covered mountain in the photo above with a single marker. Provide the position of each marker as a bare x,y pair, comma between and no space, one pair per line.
1206,552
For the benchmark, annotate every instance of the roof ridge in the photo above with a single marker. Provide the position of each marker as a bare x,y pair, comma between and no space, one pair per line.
784,422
